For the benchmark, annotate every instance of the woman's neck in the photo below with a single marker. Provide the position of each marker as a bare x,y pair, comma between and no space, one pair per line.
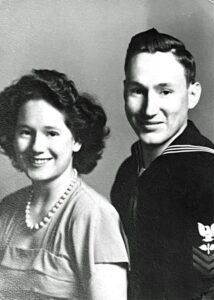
50,191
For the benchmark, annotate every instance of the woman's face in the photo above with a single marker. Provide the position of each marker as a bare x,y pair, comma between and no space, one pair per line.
43,143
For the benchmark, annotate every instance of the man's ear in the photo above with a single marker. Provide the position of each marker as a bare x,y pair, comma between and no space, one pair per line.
194,91
124,88
76,146
124,84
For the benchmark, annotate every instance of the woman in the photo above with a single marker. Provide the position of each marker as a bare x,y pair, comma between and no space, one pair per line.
59,239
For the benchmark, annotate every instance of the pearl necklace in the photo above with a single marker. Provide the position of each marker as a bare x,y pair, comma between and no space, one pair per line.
52,211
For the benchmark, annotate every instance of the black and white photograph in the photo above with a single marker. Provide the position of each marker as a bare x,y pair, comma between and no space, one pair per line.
106,150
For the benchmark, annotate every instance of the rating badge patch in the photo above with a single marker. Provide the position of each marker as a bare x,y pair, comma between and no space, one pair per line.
207,232
203,255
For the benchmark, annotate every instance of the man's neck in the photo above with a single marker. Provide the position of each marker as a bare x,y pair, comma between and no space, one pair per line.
151,152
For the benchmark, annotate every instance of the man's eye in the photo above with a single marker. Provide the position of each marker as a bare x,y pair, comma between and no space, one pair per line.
136,90
166,92
52,133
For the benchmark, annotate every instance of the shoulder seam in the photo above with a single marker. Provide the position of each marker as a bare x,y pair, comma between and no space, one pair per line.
187,148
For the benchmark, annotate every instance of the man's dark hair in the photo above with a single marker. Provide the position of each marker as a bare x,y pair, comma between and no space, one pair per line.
152,41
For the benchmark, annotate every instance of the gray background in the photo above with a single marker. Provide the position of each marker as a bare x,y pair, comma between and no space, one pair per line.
87,39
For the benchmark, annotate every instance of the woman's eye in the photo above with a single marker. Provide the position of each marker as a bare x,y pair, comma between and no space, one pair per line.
24,132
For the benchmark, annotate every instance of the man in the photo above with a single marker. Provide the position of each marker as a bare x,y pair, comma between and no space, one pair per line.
164,191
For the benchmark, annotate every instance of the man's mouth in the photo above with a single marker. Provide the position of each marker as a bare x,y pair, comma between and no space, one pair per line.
148,123
149,126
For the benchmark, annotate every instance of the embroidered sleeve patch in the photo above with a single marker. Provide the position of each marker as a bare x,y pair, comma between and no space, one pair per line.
203,256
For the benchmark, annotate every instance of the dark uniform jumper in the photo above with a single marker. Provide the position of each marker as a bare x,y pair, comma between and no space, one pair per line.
168,211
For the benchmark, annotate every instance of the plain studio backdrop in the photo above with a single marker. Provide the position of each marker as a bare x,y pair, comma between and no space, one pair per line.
87,40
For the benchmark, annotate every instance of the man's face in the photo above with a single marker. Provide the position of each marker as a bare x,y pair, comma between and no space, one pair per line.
157,97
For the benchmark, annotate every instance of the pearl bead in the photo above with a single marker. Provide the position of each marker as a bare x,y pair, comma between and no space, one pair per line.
52,211
41,224
46,219
50,214
36,226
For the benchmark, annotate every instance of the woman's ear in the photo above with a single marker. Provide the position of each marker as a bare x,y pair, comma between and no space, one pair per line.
194,91
76,146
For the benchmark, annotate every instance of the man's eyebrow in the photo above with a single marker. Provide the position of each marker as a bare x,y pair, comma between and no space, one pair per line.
164,84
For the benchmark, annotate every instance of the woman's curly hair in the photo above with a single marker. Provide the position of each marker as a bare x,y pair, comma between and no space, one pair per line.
84,117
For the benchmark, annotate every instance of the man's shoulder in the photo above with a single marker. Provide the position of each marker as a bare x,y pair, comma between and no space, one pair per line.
129,166
190,163
191,148
125,179
192,136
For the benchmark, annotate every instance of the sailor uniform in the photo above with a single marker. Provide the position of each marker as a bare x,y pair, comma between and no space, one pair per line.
168,214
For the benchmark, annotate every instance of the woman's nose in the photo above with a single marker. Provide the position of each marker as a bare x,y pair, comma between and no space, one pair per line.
39,143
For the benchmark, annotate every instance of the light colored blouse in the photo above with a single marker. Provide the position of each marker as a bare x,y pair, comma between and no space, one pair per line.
85,231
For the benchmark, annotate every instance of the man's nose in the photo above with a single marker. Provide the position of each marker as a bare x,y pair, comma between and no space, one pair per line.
151,105
39,143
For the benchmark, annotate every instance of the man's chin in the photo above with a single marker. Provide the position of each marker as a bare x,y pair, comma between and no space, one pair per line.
152,139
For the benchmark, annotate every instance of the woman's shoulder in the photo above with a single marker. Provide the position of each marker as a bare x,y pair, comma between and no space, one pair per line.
89,201
16,197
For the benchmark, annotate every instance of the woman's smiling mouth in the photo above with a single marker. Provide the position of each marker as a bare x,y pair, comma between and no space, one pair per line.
39,161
